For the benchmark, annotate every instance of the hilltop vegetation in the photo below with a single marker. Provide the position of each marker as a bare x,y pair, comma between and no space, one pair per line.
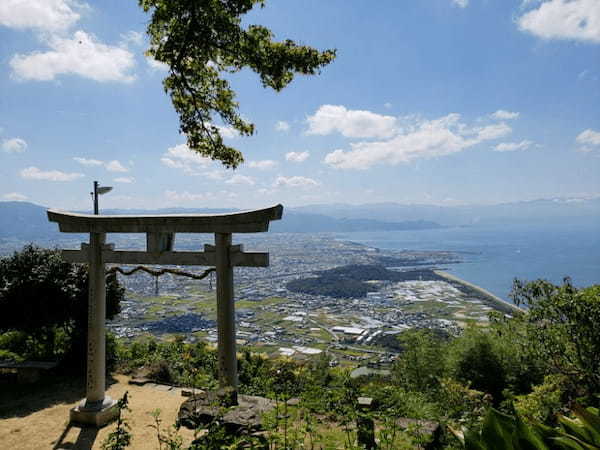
44,304
351,281
515,366
530,367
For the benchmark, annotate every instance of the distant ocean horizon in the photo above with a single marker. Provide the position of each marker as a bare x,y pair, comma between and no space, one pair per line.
493,256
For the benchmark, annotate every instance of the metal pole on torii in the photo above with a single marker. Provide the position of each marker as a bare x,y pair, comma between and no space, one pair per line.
97,408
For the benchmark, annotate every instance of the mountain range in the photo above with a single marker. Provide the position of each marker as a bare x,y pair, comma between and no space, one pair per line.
556,210
28,221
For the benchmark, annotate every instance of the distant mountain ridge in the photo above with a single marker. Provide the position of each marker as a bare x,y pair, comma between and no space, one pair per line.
557,210
28,222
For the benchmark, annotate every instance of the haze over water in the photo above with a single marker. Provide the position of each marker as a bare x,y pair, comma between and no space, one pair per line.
494,255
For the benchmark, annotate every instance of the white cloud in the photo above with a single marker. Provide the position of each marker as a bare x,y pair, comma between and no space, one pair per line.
425,139
184,197
33,173
14,145
82,55
265,164
181,157
350,123
297,157
494,131
461,3
126,180
241,179
564,19
587,75
115,166
505,115
156,65
228,132
88,162
589,136
214,174
589,140
132,37
14,197
282,126
111,166
44,15
512,146
295,182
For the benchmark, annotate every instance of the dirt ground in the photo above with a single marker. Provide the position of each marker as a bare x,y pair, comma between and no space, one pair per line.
36,417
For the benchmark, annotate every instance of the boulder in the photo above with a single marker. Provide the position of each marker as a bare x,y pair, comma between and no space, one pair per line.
200,410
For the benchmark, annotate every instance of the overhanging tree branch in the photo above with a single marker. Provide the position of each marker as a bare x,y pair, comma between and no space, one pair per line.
199,41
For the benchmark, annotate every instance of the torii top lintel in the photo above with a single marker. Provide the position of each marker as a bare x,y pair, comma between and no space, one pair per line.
240,222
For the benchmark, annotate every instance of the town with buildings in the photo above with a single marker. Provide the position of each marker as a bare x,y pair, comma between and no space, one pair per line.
277,321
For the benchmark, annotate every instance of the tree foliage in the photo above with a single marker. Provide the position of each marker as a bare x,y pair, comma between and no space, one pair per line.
563,329
422,361
202,41
42,294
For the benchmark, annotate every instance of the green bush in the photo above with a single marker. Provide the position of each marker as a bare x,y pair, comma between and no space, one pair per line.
46,299
563,330
506,432
545,400
476,361
422,362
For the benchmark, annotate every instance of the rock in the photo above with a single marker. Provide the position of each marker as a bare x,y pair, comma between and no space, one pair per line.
365,402
425,427
139,381
293,401
201,409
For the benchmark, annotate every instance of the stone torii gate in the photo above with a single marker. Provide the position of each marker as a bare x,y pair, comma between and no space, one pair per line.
97,408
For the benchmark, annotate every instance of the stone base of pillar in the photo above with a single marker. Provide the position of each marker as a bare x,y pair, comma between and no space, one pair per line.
96,414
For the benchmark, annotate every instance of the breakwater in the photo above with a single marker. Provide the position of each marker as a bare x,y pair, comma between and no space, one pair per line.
491,299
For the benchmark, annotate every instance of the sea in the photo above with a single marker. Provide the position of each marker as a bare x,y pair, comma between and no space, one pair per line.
493,256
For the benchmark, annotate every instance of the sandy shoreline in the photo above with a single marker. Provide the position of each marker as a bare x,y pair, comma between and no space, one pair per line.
491,297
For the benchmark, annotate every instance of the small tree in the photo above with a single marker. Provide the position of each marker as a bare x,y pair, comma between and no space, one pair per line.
477,362
44,296
563,328
422,360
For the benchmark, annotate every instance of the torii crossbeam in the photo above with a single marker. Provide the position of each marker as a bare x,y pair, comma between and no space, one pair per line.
97,408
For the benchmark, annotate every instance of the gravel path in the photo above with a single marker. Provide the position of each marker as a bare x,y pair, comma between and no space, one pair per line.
38,419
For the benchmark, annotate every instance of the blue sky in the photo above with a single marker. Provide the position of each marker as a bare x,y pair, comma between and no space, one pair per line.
430,101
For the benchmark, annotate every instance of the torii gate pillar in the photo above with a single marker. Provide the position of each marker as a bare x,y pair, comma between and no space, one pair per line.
225,313
97,408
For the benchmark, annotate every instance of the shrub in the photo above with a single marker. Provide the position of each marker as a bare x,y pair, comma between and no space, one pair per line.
563,329
544,402
46,298
422,361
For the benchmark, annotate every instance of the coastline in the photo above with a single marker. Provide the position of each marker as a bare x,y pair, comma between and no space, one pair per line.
493,299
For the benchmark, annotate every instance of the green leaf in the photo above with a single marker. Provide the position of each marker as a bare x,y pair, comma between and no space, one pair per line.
526,438
567,443
497,431
473,441
575,428
591,422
